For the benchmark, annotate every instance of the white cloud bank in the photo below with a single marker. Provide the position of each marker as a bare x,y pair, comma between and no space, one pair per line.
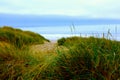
86,8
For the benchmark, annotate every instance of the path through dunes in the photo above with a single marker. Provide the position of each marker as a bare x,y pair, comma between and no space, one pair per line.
47,47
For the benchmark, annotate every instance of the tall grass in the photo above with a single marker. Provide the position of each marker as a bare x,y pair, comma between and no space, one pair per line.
85,59
15,63
20,38
74,58
16,60
90,58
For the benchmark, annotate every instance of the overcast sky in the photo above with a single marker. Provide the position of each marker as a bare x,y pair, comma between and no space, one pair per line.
84,8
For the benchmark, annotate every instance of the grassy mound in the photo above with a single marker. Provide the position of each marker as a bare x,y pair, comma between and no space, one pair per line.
20,38
89,58
16,61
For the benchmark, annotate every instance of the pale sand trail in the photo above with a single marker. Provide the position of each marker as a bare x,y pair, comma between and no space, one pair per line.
47,47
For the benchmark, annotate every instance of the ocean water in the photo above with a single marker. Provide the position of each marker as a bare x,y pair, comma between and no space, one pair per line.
57,32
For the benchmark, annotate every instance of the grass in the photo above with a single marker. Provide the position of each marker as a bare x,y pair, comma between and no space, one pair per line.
91,58
20,38
74,58
16,59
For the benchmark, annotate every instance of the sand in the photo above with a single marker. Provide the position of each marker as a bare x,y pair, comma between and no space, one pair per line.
44,48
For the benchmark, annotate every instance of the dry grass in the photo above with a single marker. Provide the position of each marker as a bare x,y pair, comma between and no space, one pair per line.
76,58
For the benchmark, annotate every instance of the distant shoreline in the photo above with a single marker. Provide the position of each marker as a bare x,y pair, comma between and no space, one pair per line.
53,41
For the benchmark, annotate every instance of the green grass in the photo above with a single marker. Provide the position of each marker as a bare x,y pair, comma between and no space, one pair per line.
90,58
20,38
74,58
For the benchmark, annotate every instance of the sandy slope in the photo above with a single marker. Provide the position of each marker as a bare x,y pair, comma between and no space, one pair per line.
44,48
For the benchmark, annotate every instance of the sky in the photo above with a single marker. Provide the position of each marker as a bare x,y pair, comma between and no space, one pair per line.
38,13
83,8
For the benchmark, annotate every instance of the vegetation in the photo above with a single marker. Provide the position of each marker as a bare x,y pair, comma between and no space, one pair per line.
14,52
74,58
90,58
20,38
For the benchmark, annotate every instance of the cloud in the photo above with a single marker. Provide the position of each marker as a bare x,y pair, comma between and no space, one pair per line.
89,8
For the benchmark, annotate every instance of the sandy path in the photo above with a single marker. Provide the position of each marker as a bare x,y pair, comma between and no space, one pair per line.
47,47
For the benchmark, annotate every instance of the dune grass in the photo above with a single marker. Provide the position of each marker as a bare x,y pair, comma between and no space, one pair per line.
74,58
20,38
15,58
90,58
85,59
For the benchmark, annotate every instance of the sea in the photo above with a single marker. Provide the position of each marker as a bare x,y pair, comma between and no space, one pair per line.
56,32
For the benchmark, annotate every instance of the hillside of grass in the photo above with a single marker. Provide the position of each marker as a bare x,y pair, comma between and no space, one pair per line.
74,58
89,58
20,38
15,56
